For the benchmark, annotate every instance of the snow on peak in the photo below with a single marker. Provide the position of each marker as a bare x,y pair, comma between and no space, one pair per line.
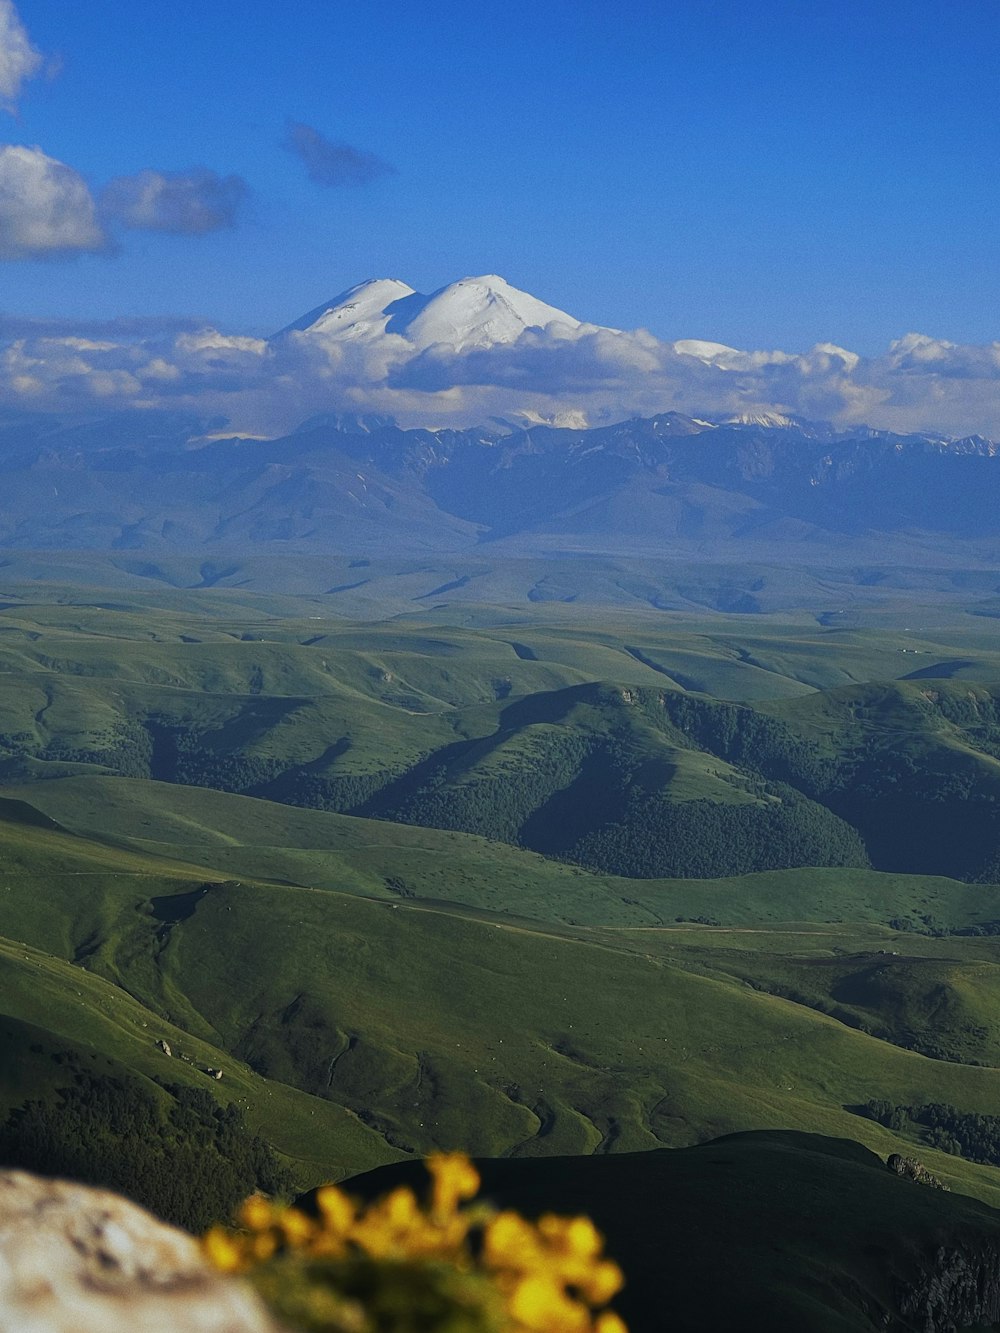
360,312
850,359
480,312
713,354
770,420
525,418
472,313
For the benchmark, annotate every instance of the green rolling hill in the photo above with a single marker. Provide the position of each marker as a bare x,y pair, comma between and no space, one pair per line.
532,883
521,735
353,1028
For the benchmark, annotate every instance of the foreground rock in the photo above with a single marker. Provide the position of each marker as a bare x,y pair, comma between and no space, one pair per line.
80,1260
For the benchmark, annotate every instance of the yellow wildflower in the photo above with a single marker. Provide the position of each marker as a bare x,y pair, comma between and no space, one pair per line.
337,1210
223,1250
539,1302
455,1180
257,1213
601,1282
575,1235
510,1242
296,1229
263,1245
609,1322
508,1275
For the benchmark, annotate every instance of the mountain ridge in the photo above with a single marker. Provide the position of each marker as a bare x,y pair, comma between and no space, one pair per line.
670,483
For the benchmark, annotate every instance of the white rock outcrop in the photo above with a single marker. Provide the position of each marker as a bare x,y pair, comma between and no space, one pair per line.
80,1260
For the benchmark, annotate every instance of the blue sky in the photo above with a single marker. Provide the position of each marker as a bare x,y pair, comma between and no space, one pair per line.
768,175
788,179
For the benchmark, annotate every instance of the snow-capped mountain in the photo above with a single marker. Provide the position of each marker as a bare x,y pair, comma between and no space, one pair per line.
359,314
481,351
473,313
766,420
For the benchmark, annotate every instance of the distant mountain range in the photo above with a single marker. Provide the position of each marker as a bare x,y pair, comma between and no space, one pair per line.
347,484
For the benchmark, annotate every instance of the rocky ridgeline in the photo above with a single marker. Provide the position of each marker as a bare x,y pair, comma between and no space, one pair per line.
910,1169
80,1260
959,1289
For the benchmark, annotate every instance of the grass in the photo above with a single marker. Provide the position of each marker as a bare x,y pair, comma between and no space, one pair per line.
334,712
527,1040
372,989
235,835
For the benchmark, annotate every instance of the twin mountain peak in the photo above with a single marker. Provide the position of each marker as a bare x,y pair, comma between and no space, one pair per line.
465,315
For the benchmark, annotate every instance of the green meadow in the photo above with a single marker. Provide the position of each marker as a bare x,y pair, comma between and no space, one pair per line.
562,883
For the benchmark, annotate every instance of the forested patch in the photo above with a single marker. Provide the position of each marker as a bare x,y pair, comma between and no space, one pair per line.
183,1156
709,839
497,803
961,1133
597,797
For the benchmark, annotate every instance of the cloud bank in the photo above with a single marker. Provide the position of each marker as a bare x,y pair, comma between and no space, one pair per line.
587,374
330,162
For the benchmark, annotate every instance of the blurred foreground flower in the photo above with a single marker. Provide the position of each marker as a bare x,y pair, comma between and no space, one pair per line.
396,1266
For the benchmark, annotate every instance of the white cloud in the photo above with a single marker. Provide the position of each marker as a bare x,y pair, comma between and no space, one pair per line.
917,352
46,209
19,60
224,346
188,203
593,374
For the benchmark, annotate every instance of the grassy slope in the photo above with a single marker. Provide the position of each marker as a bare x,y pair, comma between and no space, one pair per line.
344,699
69,1008
308,697
237,835
729,656
575,1034
926,584
522,1041
938,996
62,899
